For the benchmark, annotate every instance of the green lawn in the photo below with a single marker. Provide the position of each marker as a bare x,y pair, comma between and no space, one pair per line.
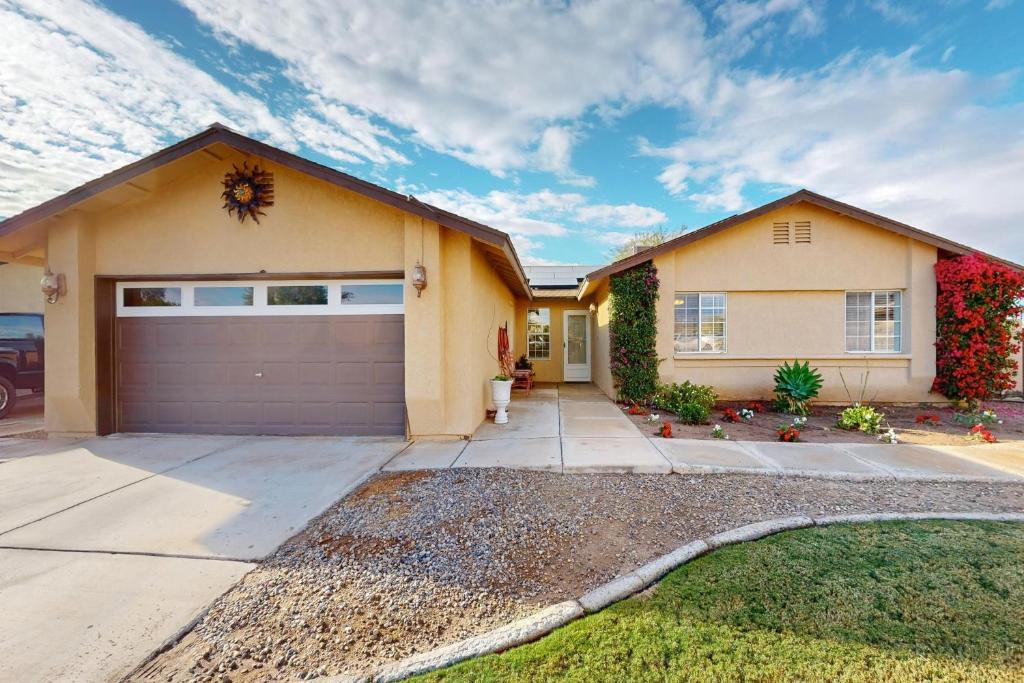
903,601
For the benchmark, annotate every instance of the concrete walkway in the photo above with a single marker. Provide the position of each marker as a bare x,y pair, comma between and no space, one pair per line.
109,547
576,428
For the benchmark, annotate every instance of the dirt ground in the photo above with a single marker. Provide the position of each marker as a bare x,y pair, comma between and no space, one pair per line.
821,425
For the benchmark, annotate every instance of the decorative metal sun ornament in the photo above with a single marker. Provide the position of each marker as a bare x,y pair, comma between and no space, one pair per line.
247,192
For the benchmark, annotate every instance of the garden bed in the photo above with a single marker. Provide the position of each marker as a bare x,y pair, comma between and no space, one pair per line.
821,424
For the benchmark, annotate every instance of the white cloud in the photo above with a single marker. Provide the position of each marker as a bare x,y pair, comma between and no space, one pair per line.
621,215
947,54
527,216
497,84
998,4
894,12
554,154
879,132
84,91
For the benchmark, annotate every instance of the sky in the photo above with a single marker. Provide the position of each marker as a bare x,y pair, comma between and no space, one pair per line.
570,125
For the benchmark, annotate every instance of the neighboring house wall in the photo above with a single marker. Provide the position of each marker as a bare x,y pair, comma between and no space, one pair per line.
19,288
788,301
314,227
552,369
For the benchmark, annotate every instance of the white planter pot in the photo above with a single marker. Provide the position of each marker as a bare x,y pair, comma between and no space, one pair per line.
501,394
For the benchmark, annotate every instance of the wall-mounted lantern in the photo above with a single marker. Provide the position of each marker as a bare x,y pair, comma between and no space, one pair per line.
419,278
52,285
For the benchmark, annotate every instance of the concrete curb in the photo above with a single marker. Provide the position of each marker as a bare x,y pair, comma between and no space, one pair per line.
547,620
502,638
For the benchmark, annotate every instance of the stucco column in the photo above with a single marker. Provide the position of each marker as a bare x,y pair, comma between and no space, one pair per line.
424,330
665,346
919,311
70,398
464,410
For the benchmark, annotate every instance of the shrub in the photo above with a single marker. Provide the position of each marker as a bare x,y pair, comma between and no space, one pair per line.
864,418
673,397
795,386
730,415
976,316
693,414
718,433
632,330
666,430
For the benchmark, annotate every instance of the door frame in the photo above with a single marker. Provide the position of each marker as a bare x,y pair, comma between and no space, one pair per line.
577,376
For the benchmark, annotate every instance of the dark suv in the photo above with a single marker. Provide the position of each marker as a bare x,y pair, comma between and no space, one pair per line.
21,356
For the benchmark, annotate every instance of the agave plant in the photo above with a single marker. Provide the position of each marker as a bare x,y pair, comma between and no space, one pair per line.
796,385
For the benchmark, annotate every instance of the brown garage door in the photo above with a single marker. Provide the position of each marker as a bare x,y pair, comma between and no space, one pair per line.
290,375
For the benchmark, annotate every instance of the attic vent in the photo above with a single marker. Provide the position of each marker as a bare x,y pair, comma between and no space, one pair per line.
780,233
802,232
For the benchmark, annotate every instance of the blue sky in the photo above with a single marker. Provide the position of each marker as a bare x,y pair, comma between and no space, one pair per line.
570,125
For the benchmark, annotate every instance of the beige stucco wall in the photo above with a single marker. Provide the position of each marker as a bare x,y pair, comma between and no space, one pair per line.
551,370
19,288
314,227
602,344
788,301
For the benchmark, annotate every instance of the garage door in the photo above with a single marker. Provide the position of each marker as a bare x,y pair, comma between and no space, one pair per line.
288,358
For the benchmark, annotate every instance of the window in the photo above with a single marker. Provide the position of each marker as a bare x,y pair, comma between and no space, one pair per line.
224,296
700,321
538,333
260,297
874,321
371,294
297,295
152,296
21,327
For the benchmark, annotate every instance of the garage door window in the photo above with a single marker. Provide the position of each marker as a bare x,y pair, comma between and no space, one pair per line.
358,295
145,297
297,295
275,298
224,296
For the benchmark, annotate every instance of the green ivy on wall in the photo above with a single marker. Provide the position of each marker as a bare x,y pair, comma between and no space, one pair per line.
633,332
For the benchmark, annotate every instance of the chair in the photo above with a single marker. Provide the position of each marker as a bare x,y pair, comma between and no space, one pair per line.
522,379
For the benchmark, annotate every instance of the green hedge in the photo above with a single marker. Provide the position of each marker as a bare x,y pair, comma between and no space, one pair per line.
633,332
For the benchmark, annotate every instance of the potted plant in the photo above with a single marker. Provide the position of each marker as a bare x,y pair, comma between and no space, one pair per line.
524,363
501,395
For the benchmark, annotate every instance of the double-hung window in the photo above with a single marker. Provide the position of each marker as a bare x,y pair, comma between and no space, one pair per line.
538,333
700,322
874,321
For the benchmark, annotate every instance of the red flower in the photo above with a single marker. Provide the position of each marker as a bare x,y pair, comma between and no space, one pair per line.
666,430
730,415
977,327
756,406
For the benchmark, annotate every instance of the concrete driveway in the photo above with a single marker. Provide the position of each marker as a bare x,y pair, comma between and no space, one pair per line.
110,547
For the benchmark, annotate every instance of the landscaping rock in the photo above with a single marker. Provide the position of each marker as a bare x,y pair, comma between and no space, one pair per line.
414,561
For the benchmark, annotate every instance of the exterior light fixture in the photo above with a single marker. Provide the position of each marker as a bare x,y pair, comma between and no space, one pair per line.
52,286
419,278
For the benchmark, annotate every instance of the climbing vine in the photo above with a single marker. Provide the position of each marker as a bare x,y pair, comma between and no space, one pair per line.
977,314
633,332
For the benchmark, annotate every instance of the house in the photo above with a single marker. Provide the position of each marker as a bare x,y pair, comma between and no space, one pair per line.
19,285
803,277
349,309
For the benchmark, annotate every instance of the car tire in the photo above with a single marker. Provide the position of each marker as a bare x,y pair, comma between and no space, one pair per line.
8,397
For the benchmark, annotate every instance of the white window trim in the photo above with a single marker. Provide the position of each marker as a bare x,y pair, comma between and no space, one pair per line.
529,353
334,305
725,327
899,320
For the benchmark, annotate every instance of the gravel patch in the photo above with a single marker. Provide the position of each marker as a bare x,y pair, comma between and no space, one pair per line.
416,560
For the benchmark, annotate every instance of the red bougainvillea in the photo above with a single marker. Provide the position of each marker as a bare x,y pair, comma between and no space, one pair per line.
977,327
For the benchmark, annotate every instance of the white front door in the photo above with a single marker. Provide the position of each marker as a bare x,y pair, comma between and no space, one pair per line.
576,347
